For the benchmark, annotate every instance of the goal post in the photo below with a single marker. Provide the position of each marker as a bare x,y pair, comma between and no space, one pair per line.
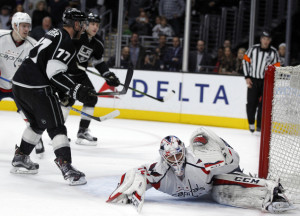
280,132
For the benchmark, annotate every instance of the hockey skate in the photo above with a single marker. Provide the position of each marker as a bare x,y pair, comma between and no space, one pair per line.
69,173
278,202
85,138
39,149
22,164
252,128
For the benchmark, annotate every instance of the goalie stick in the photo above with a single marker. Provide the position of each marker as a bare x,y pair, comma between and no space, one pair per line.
108,116
164,99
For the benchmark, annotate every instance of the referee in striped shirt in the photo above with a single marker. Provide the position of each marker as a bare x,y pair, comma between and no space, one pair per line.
254,63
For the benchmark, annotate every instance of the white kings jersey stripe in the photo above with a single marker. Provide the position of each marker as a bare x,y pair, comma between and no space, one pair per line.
11,57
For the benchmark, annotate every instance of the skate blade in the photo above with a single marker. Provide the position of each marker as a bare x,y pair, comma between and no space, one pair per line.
22,170
81,181
85,142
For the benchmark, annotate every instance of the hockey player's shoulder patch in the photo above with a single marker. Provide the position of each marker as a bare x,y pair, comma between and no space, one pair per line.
53,32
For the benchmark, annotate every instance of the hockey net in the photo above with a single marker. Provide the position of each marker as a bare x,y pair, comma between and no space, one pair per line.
280,135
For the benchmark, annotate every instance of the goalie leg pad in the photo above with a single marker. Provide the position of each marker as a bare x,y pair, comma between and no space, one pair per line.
248,192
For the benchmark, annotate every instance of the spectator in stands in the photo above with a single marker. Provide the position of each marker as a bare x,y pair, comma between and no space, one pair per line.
5,17
173,57
157,20
151,60
18,8
137,52
162,28
39,13
161,50
199,59
281,52
141,25
217,59
39,31
239,61
8,3
227,64
125,59
57,8
227,43
134,7
173,10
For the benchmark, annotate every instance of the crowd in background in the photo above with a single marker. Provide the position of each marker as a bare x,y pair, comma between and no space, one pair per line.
160,19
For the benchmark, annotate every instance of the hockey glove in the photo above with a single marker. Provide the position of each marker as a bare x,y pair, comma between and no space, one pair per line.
66,100
111,79
82,93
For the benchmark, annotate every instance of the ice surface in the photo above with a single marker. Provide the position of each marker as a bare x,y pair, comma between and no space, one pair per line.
123,144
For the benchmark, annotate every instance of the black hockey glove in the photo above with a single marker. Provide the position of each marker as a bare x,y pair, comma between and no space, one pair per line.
66,100
111,79
83,94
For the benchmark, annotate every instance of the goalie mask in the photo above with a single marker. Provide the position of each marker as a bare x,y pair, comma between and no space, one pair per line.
172,150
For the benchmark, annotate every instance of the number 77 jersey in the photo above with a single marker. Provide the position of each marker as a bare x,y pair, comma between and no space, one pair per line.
52,54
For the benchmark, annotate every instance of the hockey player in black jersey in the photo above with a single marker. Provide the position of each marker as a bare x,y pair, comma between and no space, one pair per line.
89,47
35,85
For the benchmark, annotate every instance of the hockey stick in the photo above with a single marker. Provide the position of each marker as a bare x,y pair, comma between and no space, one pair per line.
167,97
108,116
102,118
125,85
5,79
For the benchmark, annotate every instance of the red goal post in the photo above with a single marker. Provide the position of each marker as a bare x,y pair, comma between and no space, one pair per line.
280,129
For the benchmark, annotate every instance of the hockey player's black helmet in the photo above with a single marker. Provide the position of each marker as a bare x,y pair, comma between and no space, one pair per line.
71,15
92,17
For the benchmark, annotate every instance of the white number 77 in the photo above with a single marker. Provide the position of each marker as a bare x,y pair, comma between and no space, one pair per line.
61,51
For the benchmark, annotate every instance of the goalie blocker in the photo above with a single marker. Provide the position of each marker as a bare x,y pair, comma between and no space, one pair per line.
208,166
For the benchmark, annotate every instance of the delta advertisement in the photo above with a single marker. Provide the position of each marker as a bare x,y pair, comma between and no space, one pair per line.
217,100
201,99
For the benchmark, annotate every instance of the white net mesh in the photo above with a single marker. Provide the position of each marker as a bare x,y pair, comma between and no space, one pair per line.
284,155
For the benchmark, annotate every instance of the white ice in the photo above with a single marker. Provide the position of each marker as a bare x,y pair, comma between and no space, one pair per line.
123,144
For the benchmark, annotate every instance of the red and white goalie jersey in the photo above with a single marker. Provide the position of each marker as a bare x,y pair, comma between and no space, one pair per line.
197,178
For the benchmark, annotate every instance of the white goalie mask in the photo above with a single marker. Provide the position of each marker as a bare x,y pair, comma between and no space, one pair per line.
18,18
172,150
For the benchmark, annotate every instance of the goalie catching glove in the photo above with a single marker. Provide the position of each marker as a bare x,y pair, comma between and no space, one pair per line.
111,79
131,189
82,93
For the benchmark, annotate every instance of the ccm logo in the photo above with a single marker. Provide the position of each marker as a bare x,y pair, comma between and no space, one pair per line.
247,180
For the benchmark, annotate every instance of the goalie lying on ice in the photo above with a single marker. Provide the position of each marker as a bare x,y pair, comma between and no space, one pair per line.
208,166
